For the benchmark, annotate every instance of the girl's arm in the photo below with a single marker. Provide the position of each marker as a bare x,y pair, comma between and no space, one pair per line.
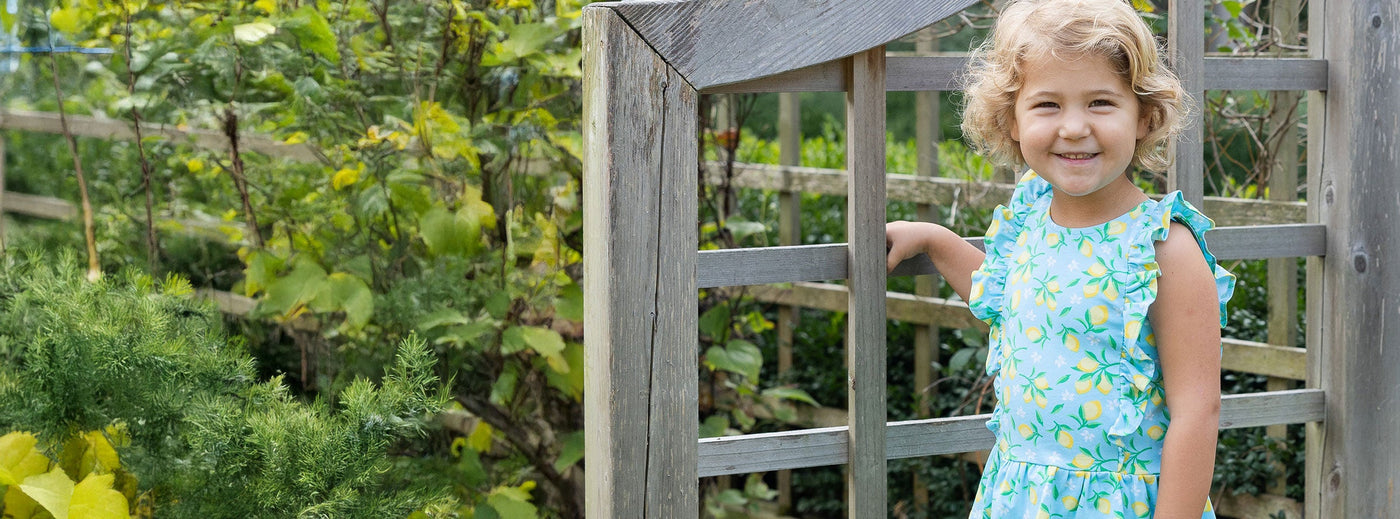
1186,320
954,258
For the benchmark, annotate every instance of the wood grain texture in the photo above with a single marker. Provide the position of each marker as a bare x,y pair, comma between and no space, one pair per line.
1264,359
639,260
1361,331
964,193
943,73
1317,306
936,436
866,484
714,42
763,265
1186,52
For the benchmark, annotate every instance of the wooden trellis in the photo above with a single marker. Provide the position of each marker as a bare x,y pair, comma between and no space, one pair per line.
647,61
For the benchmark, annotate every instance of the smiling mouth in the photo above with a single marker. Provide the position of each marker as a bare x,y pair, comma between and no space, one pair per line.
1077,156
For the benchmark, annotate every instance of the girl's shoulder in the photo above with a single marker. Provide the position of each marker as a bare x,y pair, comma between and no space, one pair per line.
1172,229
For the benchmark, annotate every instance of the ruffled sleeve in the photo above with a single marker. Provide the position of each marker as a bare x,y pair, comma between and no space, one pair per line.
989,280
1139,364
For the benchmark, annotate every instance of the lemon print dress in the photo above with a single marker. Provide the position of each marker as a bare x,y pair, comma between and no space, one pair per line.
1080,414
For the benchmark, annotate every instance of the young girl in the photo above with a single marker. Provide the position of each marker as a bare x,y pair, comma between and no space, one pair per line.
1105,306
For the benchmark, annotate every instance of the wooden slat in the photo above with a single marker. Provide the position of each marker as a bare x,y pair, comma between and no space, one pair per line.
714,42
753,266
639,194
39,206
937,436
941,73
87,126
1264,359
866,482
1186,44
757,266
965,193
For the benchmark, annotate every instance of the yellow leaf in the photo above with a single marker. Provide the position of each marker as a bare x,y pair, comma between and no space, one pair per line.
17,504
66,19
101,452
296,138
267,6
19,459
195,165
253,32
480,438
94,498
345,177
52,490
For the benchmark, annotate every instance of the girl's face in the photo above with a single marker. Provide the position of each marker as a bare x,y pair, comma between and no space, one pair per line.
1077,123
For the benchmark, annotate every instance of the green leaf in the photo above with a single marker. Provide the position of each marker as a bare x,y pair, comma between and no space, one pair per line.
742,229
313,33
570,452
1234,7
253,32
67,19
961,358
570,383
351,294
503,390
512,503
740,357
288,295
714,426
52,490
569,305
520,41
790,393
715,322
731,496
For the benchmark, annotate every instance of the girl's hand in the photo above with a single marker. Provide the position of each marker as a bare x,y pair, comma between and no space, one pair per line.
954,258
904,240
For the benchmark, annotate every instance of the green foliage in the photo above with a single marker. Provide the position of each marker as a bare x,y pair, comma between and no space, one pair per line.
151,365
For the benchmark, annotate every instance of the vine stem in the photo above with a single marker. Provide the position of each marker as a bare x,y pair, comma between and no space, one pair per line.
152,244
94,272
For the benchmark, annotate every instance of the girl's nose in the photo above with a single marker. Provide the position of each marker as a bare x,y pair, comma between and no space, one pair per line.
1074,126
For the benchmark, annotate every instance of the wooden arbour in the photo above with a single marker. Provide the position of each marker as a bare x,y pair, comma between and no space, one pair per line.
646,63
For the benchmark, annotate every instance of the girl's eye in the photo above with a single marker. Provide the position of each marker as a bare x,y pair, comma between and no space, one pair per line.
1100,102
1045,104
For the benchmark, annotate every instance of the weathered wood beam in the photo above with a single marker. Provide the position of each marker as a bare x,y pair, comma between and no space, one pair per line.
941,73
936,436
639,199
1358,362
763,265
1186,51
100,128
714,42
966,193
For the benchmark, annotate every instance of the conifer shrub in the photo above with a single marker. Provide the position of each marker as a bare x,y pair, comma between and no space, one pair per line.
199,435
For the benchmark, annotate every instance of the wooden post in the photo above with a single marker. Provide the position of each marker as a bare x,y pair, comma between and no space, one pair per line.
1357,362
3,246
1186,47
639,129
1283,186
867,483
927,134
789,233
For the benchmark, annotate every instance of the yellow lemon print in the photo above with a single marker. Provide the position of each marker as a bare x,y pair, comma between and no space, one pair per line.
1071,343
1015,299
1111,292
1041,401
1082,386
1082,461
1052,239
1034,497
1091,410
1052,286
1140,381
1070,503
1116,228
1040,299
1087,365
1066,440
1091,290
993,228
1023,258
1041,382
1155,432
1131,328
1021,239
1033,333
1043,514
1098,315
1151,340
1005,487
1104,385
1025,431
975,293
1140,508
1105,506
1097,269
1086,248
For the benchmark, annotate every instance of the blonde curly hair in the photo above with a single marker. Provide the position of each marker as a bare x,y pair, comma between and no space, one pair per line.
1034,29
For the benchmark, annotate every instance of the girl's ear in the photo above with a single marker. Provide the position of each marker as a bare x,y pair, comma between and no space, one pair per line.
1144,125
1016,130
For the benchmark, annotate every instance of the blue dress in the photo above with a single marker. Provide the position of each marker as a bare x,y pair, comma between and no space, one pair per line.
1080,415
